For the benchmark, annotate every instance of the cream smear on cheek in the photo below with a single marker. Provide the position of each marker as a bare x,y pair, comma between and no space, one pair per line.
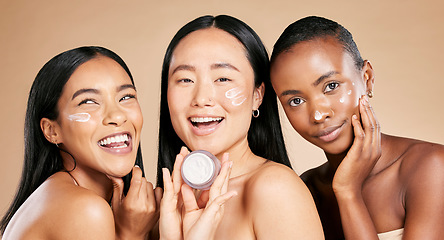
79,117
236,96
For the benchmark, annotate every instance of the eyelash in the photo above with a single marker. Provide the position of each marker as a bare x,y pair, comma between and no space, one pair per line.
185,80
336,85
223,80
128,96
292,104
85,101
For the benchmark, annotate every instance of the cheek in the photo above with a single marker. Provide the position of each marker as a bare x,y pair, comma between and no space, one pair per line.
348,100
235,96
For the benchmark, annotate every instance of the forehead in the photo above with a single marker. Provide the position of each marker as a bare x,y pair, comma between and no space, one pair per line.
96,73
211,44
311,59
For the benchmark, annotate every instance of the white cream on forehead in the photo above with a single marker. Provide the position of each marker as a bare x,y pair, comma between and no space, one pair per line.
318,115
236,96
79,117
198,168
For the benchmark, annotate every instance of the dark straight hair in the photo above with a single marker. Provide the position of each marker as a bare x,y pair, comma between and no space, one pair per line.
265,135
42,158
313,27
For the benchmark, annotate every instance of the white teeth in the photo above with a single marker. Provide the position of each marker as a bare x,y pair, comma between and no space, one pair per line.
204,119
115,139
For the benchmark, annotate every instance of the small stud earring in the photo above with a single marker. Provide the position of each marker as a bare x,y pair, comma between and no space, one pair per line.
370,94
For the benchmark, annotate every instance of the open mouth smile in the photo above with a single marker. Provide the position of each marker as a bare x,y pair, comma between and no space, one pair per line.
205,125
116,143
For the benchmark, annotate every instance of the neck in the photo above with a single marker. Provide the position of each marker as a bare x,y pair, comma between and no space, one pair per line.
242,157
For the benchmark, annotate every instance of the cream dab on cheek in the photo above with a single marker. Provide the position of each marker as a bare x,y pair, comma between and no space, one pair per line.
199,169
79,117
236,96
318,115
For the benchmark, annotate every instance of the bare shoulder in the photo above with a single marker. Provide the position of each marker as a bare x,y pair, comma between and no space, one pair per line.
421,158
280,204
79,213
276,181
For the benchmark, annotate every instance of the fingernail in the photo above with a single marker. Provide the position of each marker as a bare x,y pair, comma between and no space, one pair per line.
137,166
231,164
355,117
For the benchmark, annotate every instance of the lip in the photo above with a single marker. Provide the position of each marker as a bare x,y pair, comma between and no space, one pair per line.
119,150
205,130
330,134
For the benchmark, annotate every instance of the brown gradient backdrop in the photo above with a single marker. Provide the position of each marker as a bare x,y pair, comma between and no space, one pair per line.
403,40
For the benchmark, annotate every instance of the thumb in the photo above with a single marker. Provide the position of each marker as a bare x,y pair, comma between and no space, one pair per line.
117,192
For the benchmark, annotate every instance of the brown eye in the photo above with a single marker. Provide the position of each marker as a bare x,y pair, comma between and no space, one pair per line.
294,102
331,86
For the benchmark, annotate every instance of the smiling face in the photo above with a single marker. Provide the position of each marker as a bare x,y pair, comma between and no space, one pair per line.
211,92
319,88
99,120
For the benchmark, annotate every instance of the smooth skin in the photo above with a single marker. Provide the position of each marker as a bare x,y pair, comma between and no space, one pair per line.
272,201
76,205
372,182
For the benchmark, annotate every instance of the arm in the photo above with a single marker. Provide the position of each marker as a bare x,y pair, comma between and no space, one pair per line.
352,172
424,196
282,207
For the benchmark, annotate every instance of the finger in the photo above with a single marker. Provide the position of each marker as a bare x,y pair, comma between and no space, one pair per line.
221,182
167,184
367,120
177,176
136,183
376,132
203,199
189,200
150,194
117,192
358,141
158,193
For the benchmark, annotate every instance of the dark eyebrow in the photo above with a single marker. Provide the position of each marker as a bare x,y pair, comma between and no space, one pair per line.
323,77
95,91
183,67
84,90
126,86
290,92
224,65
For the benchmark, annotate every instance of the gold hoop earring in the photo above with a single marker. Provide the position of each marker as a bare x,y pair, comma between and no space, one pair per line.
370,94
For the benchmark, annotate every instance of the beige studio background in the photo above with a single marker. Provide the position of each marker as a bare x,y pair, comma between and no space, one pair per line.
403,40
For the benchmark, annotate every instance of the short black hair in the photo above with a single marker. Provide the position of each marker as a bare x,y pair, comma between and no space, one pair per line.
314,27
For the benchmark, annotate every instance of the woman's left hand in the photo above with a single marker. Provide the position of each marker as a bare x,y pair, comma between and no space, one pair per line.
363,154
136,213
202,217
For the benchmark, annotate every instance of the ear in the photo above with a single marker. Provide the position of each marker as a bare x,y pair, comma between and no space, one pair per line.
51,130
368,75
258,96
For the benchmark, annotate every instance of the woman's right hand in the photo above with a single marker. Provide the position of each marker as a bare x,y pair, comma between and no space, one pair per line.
170,221
363,154
136,213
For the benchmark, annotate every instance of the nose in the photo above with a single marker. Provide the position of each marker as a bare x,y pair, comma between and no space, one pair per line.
203,95
114,115
321,110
